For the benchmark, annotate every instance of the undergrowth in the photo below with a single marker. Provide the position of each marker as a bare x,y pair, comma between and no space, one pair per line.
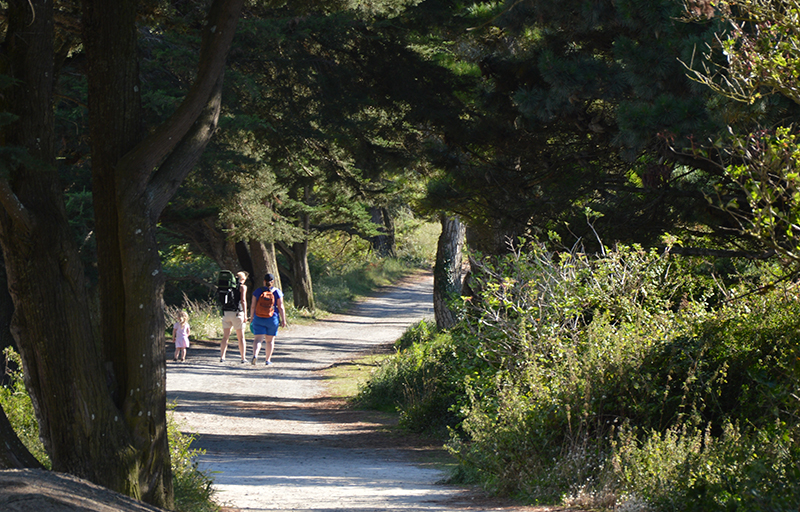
634,381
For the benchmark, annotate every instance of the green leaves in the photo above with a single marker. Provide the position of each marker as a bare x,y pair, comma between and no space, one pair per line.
770,180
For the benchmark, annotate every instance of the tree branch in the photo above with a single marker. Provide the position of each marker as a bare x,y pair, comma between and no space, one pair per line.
718,253
218,33
186,154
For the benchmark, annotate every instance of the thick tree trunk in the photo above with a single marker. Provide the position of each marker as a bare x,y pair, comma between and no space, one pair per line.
100,405
131,283
448,270
383,244
79,424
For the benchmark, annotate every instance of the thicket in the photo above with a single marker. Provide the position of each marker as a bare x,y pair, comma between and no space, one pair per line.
633,379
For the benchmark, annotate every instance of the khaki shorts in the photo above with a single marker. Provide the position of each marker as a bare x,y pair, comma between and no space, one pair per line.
233,319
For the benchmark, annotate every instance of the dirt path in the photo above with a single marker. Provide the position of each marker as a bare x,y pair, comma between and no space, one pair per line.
274,442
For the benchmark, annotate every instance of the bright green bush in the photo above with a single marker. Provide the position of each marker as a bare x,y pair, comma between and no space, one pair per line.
633,379
18,407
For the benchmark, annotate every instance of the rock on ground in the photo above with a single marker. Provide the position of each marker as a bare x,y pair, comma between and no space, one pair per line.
38,490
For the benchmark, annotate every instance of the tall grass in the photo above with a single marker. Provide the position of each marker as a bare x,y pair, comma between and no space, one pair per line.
205,318
629,381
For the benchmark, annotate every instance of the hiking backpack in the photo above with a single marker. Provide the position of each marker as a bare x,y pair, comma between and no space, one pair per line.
265,304
227,291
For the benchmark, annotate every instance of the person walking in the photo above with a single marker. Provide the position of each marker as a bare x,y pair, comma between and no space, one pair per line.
235,319
267,313
180,335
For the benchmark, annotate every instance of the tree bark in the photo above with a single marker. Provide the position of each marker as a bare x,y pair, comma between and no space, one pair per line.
383,244
302,292
62,364
448,271
133,178
101,404
264,260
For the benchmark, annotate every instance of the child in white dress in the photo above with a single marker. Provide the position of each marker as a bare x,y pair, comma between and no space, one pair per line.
180,333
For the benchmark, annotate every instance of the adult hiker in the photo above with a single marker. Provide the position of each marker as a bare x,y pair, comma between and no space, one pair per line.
267,313
235,317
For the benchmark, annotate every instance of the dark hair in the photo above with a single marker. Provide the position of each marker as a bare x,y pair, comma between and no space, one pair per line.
269,277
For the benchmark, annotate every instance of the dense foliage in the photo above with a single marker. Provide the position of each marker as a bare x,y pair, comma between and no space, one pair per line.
632,377
761,51
583,108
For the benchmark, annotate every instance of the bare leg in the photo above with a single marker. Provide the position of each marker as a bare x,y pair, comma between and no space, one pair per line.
257,346
223,346
269,345
242,344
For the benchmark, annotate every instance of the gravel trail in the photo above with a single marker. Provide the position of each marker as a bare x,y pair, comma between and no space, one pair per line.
271,438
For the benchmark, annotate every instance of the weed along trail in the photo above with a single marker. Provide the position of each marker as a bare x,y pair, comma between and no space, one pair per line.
272,439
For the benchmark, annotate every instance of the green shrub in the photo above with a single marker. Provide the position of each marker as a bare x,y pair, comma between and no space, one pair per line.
684,468
18,407
614,381
193,487
417,381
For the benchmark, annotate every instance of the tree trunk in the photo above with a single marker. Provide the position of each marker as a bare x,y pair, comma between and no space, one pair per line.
63,369
263,257
448,270
101,405
302,292
383,244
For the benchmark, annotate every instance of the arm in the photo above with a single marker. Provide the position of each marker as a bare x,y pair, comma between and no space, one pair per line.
281,311
243,300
